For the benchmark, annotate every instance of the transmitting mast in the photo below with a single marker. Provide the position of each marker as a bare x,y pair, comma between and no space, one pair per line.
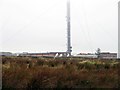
69,47
118,30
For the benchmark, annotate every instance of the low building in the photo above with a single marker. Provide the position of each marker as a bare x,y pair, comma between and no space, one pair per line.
48,54
108,55
102,55
6,54
86,55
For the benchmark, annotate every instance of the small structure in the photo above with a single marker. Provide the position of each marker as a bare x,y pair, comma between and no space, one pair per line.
98,51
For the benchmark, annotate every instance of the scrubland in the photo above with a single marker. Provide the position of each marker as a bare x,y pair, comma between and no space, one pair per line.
38,73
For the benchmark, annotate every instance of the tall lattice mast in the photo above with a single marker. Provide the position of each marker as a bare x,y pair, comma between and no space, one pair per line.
69,48
118,30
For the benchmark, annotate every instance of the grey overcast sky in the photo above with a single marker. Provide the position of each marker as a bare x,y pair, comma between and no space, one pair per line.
40,25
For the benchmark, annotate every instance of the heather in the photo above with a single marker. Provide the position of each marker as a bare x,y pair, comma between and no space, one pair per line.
37,73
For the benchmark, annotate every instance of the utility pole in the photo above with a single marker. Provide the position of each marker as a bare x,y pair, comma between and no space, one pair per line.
69,48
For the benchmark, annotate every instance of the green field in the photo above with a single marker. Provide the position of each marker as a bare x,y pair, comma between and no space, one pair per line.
36,73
